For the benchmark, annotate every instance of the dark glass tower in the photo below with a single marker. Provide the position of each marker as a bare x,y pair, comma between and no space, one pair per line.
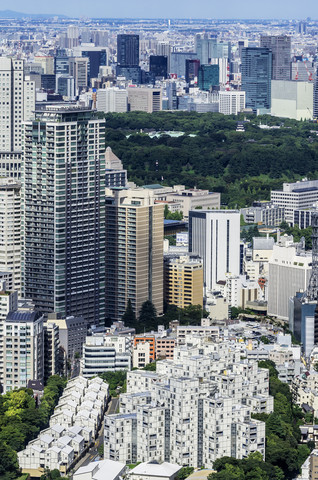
158,65
256,77
128,50
208,77
63,212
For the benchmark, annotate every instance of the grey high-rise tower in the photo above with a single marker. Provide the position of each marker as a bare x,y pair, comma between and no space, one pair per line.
63,212
280,46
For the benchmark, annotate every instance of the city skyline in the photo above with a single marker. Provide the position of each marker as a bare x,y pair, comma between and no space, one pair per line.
201,9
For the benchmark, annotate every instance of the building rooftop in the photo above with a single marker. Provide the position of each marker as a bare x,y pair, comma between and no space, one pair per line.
153,469
23,317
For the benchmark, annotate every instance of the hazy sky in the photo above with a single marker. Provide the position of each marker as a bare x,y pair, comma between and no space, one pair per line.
288,9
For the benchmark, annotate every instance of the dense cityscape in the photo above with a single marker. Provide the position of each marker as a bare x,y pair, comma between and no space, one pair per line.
158,248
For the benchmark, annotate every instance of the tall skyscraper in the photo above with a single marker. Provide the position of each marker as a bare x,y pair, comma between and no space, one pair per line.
280,46
10,229
215,236
134,251
17,100
63,212
256,77
128,50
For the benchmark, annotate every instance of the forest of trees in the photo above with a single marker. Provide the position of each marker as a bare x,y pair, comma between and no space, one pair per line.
21,419
212,155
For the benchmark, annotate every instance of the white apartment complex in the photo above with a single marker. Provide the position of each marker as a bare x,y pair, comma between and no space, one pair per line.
231,102
73,426
295,196
193,410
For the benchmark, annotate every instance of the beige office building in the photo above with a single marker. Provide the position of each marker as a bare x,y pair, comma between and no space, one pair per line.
183,280
134,251
144,99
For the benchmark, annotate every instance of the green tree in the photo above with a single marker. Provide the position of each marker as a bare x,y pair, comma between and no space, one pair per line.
129,317
147,319
172,215
184,473
8,460
265,340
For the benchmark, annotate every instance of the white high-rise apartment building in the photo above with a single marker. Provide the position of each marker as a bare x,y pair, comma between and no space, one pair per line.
17,100
112,99
10,229
21,349
193,410
215,236
231,102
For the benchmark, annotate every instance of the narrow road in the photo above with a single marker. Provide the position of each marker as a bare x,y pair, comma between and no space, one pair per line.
113,406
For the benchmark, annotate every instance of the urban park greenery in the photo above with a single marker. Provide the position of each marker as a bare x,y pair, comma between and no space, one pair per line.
210,154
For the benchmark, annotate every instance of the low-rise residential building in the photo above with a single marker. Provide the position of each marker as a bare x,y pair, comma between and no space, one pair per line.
151,339
102,469
141,355
103,353
150,470
165,347
304,390
204,331
73,427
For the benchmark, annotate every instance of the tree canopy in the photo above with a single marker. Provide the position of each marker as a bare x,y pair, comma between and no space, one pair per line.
210,154
21,419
